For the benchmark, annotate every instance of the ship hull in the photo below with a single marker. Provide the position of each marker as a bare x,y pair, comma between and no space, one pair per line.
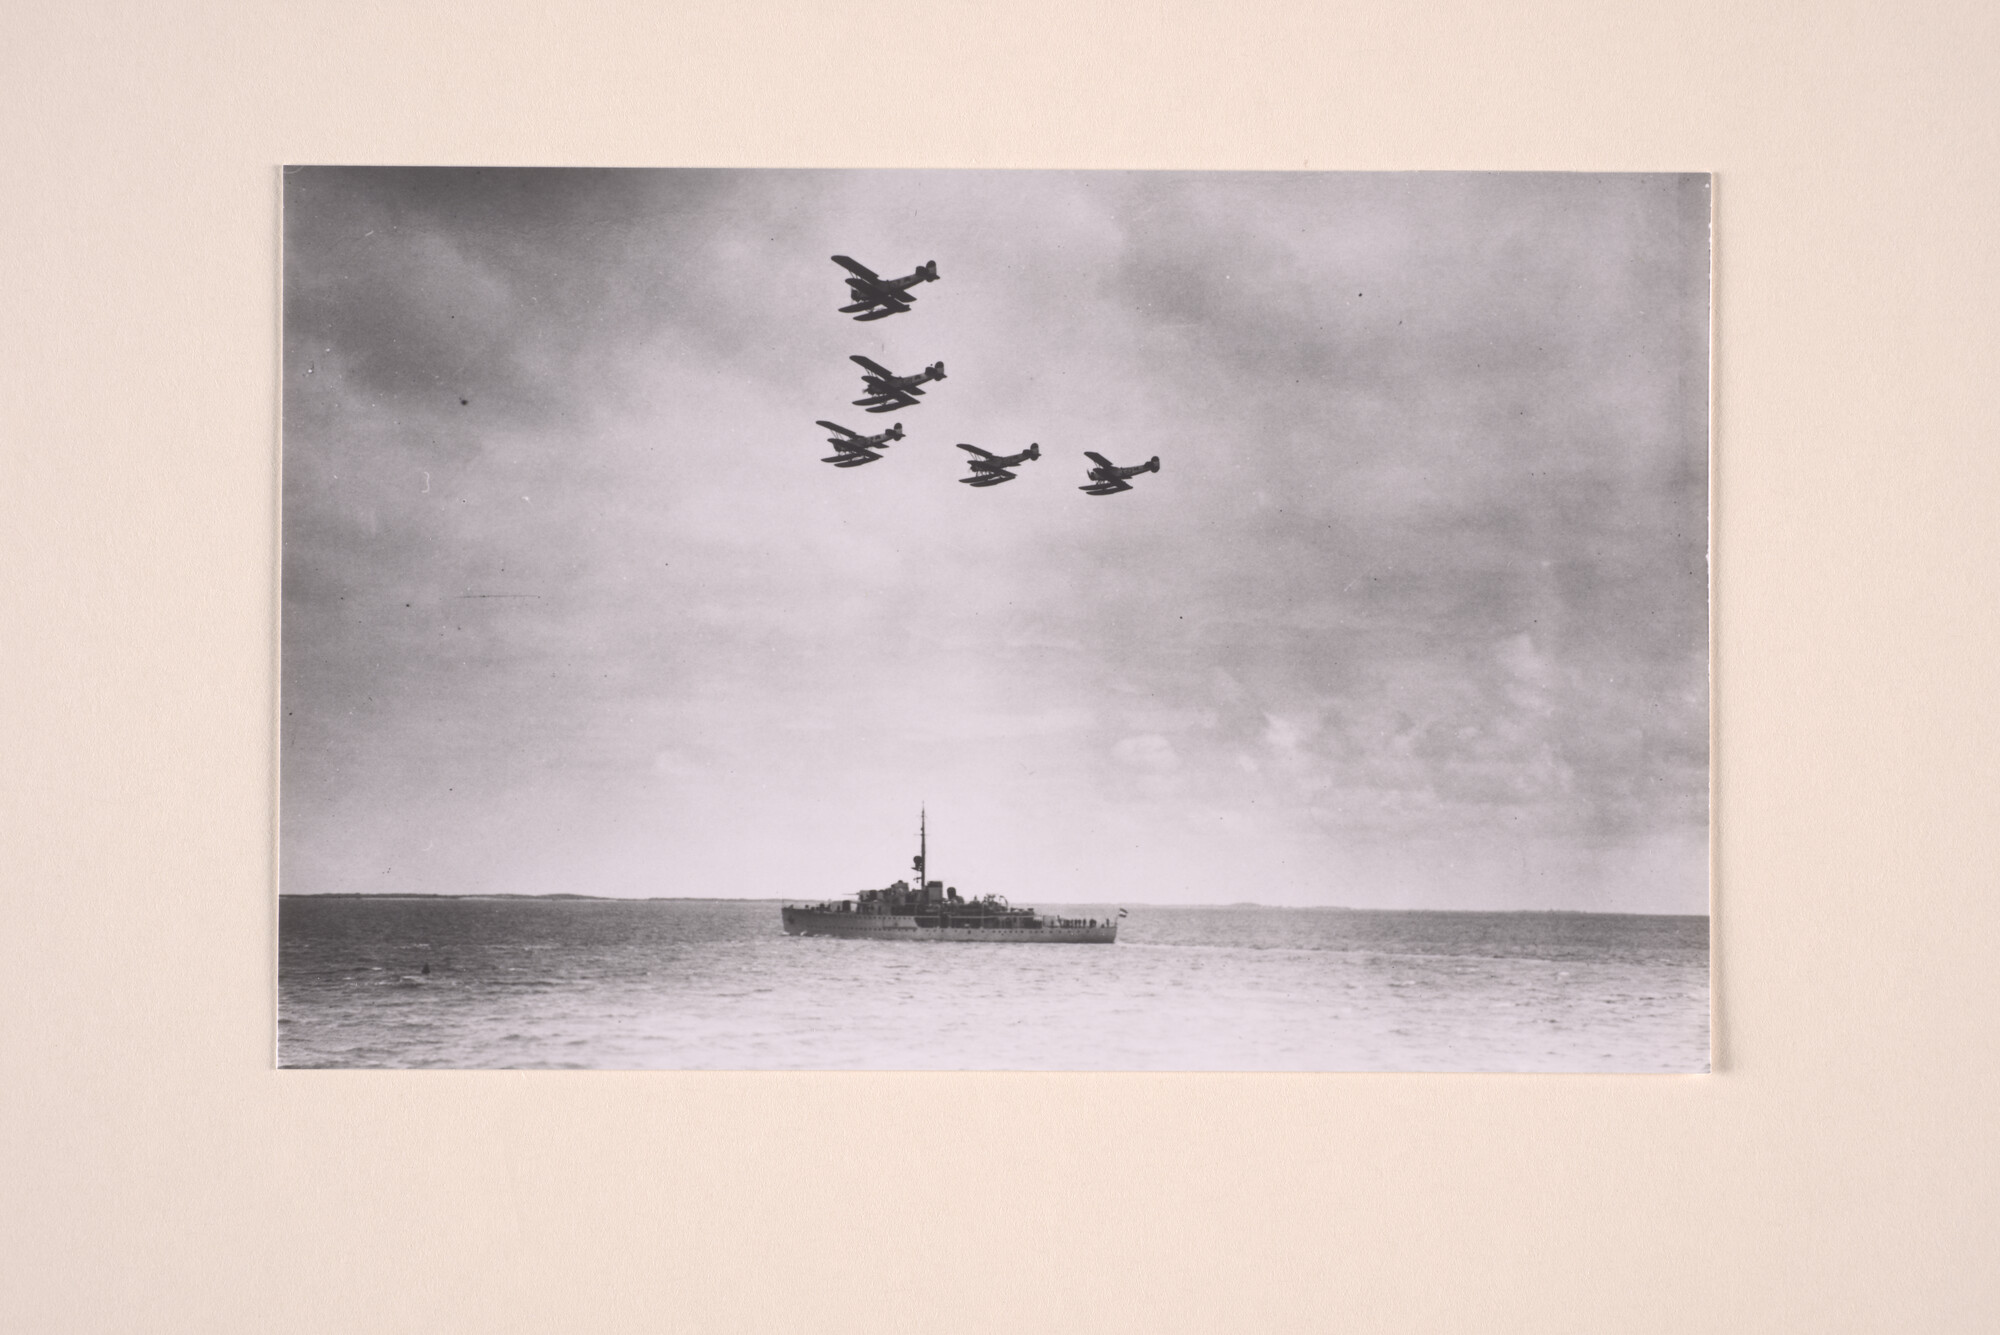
924,927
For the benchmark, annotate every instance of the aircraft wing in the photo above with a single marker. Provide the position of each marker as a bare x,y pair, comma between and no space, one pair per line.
835,426
1100,460
873,368
857,269
974,449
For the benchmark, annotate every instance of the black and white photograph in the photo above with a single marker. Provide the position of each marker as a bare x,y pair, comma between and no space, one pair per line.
753,619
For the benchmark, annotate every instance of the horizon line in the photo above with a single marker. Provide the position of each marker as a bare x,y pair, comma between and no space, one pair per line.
780,899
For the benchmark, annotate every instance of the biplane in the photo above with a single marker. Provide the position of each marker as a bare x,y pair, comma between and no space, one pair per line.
876,297
990,470
851,449
1108,479
888,391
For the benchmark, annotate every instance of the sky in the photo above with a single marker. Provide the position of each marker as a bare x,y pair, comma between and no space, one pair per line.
1414,614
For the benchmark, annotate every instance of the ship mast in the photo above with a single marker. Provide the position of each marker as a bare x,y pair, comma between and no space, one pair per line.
923,853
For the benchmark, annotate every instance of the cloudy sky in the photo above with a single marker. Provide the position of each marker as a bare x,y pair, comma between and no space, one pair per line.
1413,615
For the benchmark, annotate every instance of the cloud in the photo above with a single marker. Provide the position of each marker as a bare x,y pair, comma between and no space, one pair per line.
1149,751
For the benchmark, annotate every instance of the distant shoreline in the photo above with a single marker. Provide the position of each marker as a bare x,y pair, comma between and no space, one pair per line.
779,899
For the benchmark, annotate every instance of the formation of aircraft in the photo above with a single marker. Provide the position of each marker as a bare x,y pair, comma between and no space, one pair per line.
875,296
887,391
851,449
990,470
1108,478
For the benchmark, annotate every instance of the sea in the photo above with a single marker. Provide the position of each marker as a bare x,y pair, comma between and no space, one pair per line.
705,984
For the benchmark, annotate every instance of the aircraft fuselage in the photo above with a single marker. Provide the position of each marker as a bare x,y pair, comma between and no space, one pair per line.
1151,465
863,288
897,383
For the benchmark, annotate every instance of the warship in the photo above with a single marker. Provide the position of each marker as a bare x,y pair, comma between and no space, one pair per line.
930,910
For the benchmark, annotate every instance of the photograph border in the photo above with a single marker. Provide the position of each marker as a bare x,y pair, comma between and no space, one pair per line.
1836,1172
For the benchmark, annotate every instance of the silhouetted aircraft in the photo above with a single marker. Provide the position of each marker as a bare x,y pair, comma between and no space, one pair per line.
853,450
990,470
876,296
1108,478
889,391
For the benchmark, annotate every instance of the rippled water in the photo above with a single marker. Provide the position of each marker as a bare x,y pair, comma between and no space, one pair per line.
678,984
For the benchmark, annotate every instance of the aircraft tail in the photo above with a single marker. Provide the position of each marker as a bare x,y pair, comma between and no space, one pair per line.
929,271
